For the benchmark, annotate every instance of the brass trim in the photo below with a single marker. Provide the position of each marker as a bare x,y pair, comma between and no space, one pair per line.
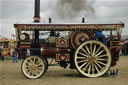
42,50
114,47
57,49
69,50
114,41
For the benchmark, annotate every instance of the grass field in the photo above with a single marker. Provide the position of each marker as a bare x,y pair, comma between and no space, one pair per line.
10,74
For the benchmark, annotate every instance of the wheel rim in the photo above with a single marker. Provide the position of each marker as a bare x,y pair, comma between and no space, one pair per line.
92,59
33,67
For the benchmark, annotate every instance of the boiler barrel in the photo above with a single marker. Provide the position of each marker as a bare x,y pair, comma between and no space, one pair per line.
48,51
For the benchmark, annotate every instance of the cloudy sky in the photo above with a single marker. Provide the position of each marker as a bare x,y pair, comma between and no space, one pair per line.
17,11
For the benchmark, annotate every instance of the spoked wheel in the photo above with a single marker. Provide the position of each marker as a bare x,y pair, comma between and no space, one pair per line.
33,67
92,58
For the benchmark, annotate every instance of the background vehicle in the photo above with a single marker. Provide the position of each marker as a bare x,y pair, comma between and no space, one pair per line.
4,45
90,57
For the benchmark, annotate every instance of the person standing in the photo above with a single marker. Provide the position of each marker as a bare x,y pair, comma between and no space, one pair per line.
0,52
1,55
15,56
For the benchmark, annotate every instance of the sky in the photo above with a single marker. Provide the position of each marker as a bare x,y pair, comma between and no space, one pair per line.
17,11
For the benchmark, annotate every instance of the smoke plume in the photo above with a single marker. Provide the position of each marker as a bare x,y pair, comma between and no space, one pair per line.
73,8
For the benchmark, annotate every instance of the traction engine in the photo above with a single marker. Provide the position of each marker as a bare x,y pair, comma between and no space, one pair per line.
71,45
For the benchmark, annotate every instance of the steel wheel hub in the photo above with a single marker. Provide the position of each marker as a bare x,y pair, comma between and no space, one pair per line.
33,67
91,59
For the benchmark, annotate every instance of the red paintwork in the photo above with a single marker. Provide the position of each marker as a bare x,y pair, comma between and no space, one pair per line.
75,34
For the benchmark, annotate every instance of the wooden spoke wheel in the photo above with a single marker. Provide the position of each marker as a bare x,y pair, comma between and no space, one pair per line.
92,58
33,67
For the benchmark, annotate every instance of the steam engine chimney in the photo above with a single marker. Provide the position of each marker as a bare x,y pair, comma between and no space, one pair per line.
37,18
37,11
83,20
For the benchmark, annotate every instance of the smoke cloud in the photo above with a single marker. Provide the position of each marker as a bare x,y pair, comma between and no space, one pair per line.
71,9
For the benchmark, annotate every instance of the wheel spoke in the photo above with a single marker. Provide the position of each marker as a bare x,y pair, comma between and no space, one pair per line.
83,64
99,53
27,68
29,64
81,58
86,66
33,72
94,50
92,68
101,63
91,48
28,71
96,68
38,63
31,61
83,54
98,64
40,68
89,69
82,61
102,55
85,51
34,59
101,59
97,50
37,72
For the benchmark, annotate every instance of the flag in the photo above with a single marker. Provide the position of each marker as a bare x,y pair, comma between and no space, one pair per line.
13,35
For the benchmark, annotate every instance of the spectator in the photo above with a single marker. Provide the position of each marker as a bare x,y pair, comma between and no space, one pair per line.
15,56
1,55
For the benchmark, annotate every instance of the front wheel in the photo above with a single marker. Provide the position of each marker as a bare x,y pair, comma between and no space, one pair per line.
92,58
33,67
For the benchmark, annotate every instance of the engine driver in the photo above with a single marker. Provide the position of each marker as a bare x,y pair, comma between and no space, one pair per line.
100,36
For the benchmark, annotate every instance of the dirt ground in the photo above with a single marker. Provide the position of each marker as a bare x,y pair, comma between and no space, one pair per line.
10,74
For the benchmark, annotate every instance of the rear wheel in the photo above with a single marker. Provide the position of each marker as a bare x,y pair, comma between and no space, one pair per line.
92,58
33,67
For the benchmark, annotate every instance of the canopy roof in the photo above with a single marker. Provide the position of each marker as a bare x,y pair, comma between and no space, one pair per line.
69,26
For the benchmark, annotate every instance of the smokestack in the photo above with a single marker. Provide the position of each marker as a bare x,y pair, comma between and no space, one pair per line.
37,11
50,20
83,20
